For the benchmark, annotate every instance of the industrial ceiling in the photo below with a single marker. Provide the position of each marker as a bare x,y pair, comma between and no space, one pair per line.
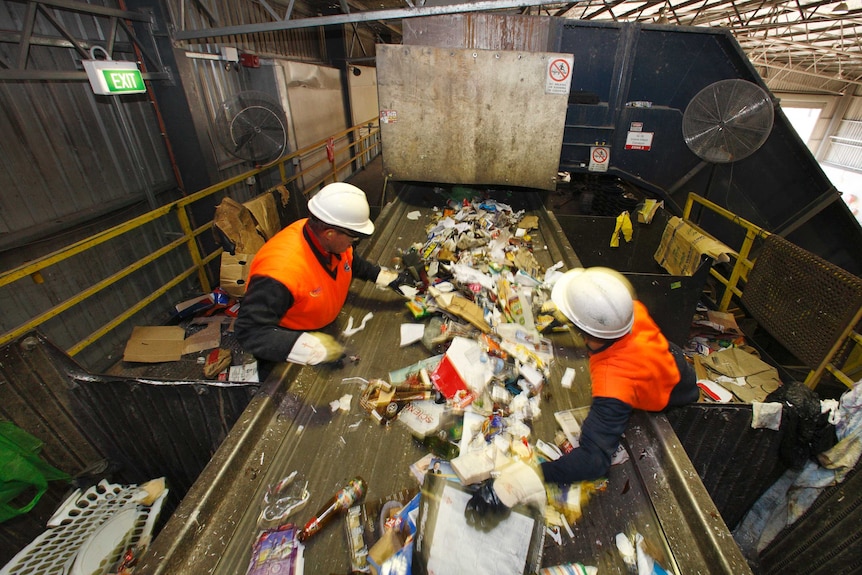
805,45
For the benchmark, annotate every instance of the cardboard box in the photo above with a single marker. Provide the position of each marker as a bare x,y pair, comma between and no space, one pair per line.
682,248
246,226
153,344
234,273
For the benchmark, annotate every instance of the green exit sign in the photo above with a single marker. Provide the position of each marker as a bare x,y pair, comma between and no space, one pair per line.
124,81
114,77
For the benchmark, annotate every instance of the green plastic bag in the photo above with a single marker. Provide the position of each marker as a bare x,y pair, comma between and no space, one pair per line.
22,470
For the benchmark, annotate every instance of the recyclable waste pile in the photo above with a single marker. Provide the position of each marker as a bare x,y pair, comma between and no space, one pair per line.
483,292
481,301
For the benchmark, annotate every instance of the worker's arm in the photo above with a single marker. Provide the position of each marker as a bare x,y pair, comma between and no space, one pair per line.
266,301
600,436
364,269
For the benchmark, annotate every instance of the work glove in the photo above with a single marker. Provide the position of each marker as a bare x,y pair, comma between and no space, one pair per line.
405,278
385,277
518,483
314,347
549,307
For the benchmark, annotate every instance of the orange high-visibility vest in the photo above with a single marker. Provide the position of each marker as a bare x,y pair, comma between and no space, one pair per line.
638,369
318,297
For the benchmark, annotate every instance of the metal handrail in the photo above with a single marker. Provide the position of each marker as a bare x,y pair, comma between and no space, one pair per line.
744,263
357,146
739,273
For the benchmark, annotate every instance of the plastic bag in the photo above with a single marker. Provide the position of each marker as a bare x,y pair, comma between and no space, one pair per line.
22,470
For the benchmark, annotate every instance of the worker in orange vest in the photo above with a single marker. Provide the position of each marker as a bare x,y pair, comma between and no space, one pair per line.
299,279
632,366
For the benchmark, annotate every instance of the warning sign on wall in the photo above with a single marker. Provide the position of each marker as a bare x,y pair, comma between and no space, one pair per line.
639,140
599,158
559,76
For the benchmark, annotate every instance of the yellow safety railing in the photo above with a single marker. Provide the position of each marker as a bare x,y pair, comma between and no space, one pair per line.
743,263
357,145
734,284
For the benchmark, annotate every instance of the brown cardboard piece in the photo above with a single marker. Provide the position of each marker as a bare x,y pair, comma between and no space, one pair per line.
247,226
460,307
682,247
234,273
153,344
761,379
207,338
238,224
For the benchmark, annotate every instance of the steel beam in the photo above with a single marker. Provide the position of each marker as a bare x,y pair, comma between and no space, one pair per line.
376,15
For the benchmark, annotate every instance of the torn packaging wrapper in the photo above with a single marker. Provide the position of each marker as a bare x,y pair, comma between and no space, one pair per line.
460,307
447,380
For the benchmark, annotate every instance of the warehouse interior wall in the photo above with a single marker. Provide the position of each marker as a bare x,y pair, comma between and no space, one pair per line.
362,82
818,119
315,98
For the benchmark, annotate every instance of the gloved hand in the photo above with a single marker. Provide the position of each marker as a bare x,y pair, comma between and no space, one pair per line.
405,278
485,510
314,347
551,308
517,483
385,277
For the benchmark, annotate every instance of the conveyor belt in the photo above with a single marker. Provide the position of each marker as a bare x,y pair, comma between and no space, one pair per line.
289,426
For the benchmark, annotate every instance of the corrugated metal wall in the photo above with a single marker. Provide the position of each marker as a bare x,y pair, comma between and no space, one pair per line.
302,44
73,164
68,156
27,298
845,146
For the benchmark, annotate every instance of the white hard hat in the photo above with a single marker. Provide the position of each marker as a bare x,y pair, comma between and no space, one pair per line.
597,300
344,206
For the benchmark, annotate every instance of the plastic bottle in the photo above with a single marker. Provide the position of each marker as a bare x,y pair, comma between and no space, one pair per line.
341,501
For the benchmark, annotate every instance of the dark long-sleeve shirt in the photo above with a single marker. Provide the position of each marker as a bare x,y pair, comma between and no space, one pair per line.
600,436
266,301
636,368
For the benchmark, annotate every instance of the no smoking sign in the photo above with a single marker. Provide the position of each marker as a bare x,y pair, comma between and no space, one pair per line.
559,76
599,156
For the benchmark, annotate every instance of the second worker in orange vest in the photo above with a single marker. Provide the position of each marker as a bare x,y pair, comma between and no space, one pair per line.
632,366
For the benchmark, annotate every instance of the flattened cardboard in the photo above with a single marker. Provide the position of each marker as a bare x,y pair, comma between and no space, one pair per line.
247,226
207,338
265,212
154,344
682,247
238,224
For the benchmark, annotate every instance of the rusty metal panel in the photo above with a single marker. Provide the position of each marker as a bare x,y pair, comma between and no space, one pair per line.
466,116
480,30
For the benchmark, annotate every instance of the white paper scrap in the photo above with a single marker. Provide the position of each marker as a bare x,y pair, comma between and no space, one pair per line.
414,215
351,330
246,372
411,333
568,378
343,403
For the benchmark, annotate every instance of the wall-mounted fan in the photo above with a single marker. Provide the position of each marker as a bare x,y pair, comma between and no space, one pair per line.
252,126
727,121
